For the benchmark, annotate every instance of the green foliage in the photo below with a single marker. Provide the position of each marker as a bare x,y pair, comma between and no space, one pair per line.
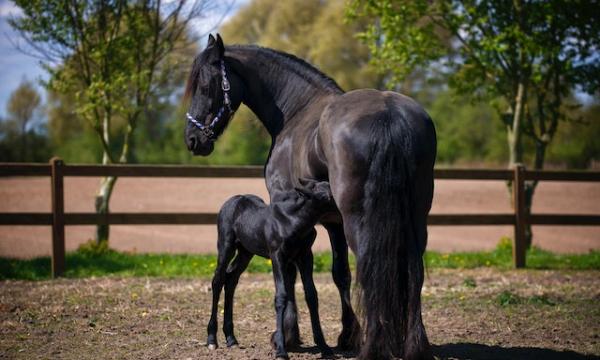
114,59
23,103
469,282
508,298
576,144
524,56
467,133
20,138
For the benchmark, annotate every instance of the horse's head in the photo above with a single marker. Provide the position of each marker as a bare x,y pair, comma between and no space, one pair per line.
215,94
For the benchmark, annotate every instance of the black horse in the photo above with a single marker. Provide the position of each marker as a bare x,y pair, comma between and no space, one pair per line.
282,231
376,148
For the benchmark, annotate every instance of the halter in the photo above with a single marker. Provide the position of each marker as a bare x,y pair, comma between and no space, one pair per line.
208,130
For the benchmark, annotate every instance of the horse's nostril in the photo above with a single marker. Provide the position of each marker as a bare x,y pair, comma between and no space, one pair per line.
191,142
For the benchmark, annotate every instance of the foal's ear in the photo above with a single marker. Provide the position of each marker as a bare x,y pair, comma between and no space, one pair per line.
303,191
322,190
307,183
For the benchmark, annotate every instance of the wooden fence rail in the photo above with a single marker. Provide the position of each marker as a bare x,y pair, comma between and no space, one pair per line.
58,219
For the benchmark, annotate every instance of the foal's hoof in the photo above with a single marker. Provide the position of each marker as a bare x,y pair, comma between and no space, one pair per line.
232,342
212,346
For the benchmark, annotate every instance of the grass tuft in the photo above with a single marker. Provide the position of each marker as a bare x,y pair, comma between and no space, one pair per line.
99,260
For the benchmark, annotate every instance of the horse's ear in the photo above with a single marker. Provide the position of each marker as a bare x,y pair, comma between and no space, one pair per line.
211,41
220,46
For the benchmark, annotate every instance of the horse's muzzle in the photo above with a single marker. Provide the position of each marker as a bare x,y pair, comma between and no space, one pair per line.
199,145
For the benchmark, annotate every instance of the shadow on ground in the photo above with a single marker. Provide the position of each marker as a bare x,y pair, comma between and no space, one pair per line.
464,351
480,352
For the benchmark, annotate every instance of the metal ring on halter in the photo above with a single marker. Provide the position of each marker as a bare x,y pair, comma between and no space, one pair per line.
208,130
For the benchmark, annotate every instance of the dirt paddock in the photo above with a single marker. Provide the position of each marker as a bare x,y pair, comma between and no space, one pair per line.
469,314
207,195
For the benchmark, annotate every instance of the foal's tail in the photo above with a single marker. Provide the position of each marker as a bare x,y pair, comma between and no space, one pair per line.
388,257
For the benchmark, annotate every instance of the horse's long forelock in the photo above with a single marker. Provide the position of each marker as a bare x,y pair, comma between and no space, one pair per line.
192,80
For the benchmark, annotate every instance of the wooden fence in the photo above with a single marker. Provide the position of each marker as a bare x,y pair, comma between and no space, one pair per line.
58,219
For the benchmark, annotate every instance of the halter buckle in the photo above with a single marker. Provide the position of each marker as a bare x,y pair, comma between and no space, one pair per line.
225,85
207,131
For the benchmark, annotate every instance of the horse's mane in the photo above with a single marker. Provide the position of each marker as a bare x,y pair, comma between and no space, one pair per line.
296,65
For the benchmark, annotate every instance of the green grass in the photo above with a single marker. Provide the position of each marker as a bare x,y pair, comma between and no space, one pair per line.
90,261
501,257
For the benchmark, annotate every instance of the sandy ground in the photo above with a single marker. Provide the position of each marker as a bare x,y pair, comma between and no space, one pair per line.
207,195
469,314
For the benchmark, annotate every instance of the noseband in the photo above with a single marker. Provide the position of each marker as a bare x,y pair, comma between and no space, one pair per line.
208,130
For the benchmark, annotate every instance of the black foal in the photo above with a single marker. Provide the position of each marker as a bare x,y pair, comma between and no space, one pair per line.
282,231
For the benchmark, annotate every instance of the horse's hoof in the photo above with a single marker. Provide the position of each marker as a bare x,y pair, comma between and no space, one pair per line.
327,354
212,346
233,346
281,358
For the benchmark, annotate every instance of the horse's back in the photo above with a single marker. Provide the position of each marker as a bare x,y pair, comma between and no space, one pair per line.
366,127
360,112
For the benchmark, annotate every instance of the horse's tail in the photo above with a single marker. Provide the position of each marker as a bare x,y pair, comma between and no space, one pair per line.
388,245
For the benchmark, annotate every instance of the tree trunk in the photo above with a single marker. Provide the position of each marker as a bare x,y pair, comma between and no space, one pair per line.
515,143
515,150
102,200
24,142
106,185
530,186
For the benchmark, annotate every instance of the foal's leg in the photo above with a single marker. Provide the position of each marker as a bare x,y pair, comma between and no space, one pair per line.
305,264
350,336
226,250
290,320
237,267
280,302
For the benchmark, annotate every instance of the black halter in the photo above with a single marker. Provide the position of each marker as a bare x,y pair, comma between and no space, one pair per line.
208,130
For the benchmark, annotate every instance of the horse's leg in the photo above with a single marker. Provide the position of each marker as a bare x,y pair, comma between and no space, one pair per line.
226,249
416,345
279,265
235,270
350,335
305,264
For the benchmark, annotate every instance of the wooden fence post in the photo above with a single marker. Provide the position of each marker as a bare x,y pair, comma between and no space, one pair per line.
58,218
520,216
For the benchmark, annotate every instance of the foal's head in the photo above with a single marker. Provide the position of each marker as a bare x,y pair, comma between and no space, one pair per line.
215,93
316,192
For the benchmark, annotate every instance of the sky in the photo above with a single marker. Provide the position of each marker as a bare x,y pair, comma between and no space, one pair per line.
16,66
